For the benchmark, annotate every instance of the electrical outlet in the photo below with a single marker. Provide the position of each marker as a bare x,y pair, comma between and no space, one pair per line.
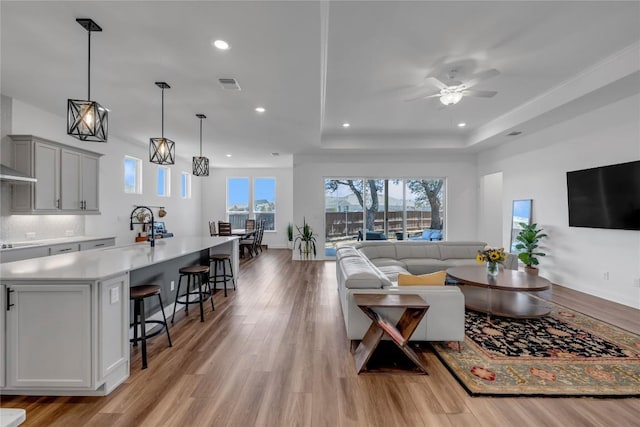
173,284
605,275
636,282
68,233
114,295
30,235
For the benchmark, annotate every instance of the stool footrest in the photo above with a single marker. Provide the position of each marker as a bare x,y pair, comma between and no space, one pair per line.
205,296
152,334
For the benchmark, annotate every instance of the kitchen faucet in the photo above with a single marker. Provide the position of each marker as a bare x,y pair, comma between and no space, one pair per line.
152,241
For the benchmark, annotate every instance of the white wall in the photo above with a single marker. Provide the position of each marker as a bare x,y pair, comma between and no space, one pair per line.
214,199
534,167
490,211
184,215
309,173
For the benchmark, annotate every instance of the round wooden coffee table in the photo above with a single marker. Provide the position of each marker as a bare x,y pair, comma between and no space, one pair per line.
511,293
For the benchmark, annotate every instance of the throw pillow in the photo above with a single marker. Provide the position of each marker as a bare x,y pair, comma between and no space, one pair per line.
432,279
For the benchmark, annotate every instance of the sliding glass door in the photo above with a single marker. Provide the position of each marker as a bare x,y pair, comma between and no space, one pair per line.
383,209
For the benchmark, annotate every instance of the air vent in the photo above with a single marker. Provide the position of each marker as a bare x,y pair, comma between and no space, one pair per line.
229,84
514,133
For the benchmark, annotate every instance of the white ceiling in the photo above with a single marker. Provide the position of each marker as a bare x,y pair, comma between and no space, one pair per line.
315,65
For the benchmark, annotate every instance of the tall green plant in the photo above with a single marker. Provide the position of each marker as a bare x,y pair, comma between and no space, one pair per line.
528,240
305,239
290,232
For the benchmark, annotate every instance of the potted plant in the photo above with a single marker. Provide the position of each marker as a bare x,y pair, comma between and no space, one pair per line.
528,240
305,239
290,235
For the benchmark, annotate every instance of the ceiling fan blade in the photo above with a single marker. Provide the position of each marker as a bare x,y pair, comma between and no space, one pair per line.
416,98
479,93
483,75
435,82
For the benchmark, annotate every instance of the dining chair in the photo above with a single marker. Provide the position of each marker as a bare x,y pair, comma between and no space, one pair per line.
224,228
212,228
251,243
250,224
259,236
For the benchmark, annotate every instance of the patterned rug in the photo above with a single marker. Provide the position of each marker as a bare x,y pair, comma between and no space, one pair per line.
564,354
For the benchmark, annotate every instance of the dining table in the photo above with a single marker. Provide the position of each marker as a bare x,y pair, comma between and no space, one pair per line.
242,232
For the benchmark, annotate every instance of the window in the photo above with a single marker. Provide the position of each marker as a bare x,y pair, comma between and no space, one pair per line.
264,201
258,200
381,209
237,201
132,175
164,181
185,185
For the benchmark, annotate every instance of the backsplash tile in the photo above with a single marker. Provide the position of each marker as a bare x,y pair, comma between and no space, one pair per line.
19,228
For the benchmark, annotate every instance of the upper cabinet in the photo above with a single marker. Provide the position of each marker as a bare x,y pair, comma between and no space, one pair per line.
67,177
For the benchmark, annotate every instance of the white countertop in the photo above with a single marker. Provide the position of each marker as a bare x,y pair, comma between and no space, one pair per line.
56,241
100,263
12,417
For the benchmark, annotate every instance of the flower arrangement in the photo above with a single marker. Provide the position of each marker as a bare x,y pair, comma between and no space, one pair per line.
492,255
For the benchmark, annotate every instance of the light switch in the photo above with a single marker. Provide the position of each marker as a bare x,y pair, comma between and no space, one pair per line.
114,294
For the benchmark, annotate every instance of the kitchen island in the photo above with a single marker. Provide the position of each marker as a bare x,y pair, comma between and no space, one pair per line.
66,316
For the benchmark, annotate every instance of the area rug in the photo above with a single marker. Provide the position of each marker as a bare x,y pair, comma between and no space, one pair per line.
564,354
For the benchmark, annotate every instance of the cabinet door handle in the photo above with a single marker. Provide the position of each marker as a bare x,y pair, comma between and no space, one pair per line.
9,305
64,250
58,203
99,244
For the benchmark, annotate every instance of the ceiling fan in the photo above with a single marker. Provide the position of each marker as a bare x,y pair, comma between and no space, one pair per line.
455,90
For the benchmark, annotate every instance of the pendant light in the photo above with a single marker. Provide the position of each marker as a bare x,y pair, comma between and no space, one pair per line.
87,120
162,151
200,164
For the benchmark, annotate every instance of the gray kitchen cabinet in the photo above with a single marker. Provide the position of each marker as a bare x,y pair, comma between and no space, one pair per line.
67,177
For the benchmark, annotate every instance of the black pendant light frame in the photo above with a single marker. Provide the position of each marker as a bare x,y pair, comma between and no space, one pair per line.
200,164
162,151
87,120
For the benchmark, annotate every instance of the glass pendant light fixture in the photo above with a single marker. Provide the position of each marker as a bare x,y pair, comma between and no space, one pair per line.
87,120
200,164
162,151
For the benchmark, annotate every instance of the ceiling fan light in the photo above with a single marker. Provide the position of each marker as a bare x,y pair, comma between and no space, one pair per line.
450,98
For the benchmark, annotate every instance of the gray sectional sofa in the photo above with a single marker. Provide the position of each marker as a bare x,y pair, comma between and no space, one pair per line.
373,267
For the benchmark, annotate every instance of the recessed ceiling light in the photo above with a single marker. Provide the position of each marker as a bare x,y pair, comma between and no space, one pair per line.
260,109
228,155
221,44
346,125
461,124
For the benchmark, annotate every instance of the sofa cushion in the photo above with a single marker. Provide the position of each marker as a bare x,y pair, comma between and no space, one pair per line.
458,250
384,262
431,279
392,272
425,265
379,250
417,250
359,274
346,251
461,262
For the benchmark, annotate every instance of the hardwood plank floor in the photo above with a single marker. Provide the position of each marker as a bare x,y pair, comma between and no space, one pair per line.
274,353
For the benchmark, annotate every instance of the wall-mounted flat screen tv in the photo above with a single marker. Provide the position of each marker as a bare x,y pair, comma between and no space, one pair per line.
605,197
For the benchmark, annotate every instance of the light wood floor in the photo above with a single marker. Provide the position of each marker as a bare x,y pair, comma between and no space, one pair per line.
274,353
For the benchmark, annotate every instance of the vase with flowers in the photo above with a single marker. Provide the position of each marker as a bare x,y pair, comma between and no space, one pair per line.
493,257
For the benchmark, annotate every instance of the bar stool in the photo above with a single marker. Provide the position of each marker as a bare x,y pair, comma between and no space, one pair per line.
221,260
199,275
137,294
